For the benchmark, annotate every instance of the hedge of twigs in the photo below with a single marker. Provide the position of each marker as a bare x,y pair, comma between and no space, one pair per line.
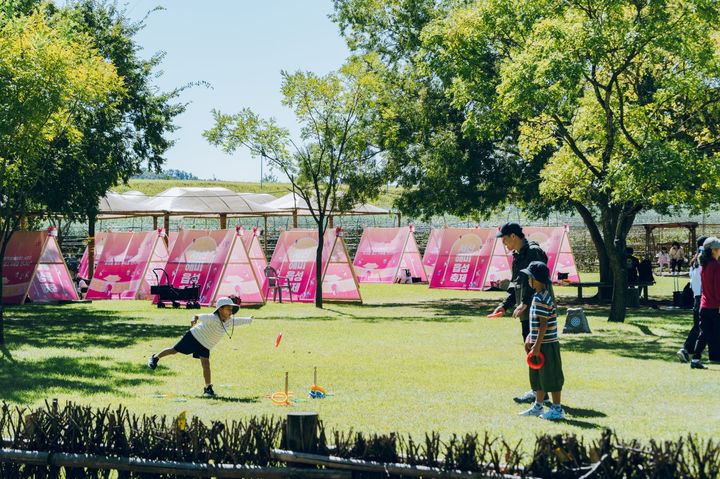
115,432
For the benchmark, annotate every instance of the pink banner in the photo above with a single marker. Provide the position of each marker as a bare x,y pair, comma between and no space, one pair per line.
198,257
384,252
500,266
432,250
463,259
121,272
295,258
83,269
555,241
52,281
21,257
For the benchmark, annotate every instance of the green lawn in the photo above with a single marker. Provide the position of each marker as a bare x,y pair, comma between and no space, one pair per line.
409,359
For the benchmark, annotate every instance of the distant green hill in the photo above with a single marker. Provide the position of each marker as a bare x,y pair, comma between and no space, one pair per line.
153,187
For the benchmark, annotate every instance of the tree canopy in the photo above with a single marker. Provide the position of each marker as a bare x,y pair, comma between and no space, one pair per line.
335,162
606,106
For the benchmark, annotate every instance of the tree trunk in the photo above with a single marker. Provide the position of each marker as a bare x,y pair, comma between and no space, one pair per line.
318,263
620,283
606,275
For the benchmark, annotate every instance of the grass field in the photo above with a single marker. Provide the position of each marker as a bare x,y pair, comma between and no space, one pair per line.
409,359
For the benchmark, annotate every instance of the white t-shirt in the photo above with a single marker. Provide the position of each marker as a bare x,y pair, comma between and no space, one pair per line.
209,330
696,280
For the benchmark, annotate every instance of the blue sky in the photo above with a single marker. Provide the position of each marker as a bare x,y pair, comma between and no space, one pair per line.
239,47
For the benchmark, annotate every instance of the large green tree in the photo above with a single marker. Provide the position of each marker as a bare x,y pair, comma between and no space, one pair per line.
616,101
51,77
110,140
335,163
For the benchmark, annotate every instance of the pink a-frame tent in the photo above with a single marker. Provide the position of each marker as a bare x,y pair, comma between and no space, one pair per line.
34,268
383,254
255,253
125,265
463,258
215,260
84,269
295,258
432,250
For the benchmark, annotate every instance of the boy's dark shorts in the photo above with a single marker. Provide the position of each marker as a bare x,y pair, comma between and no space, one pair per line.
189,345
548,378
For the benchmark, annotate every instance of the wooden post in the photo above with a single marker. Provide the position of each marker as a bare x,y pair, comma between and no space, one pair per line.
648,232
693,240
330,222
155,223
166,223
399,215
265,236
223,221
295,221
91,247
301,432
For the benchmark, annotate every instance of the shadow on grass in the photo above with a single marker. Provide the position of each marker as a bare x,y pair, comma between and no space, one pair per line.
578,412
243,400
582,424
27,380
79,328
76,329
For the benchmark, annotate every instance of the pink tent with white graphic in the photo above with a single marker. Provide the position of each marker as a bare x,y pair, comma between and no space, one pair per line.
217,262
463,258
255,253
499,266
83,269
34,268
555,241
124,269
432,250
294,258
384,253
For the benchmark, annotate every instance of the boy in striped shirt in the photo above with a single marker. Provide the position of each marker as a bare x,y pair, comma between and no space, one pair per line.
543,338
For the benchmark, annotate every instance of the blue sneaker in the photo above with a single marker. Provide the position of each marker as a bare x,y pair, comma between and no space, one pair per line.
555,413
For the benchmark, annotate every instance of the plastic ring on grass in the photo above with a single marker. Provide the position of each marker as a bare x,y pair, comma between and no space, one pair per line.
280,399
317,392
534,364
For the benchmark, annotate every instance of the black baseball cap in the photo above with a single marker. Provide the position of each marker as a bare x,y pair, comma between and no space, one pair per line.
508,229
538,271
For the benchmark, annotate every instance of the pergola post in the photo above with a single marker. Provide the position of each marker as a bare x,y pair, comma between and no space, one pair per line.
648,233
399,218
166,223
330,222
91,247
155,223
223,221
265,236
693,238
295,219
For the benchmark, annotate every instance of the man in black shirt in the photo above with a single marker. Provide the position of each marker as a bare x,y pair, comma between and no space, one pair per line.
519,293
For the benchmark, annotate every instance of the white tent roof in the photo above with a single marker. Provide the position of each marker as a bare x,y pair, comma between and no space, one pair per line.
260,198
206,201
292,201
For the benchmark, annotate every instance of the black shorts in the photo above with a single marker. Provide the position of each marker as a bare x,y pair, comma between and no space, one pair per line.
189,345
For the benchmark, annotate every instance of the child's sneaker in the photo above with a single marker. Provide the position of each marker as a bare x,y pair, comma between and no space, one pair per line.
527,397
536,410
683,356
554,414
208,391
153,361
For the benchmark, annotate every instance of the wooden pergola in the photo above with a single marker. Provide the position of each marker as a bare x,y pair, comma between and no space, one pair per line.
649,243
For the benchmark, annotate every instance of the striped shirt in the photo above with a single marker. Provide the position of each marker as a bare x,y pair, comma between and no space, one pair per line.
543,307
209,330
